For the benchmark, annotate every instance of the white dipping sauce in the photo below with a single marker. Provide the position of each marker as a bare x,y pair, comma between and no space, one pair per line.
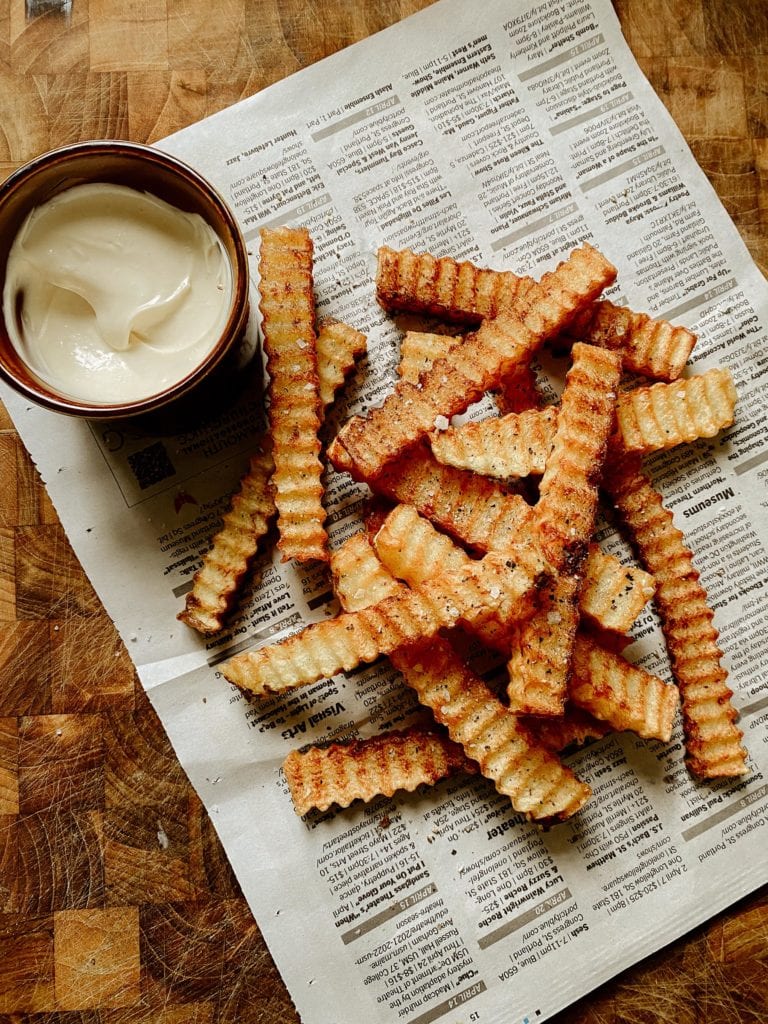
113,295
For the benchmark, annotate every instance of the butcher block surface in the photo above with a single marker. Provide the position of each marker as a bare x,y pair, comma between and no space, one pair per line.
117,903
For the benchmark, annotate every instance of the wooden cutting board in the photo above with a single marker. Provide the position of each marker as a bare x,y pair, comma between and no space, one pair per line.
117,903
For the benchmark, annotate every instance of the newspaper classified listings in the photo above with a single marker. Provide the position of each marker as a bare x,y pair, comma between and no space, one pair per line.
505,135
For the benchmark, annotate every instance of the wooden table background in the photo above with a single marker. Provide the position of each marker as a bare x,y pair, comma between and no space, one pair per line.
117,903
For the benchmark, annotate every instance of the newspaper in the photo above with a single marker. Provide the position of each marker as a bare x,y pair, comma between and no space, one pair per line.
505,134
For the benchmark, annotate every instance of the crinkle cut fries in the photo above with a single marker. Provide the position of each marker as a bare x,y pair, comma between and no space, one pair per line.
452,384
460,548
253,508
465,294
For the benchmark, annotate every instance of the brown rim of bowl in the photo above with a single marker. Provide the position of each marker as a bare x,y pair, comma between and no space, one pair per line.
42,393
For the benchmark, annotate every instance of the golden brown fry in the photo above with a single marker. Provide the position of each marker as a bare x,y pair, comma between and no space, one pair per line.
565,513
537,783
476,366
516,393
540,650
713,741
252,508
665,415
540,656
288,326
627,697
225,563
612,594
340,644
494,587
653,348
422,283
466,294
340,772
515,445
338,346
419,349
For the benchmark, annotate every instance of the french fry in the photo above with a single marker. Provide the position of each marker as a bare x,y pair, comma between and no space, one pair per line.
664,415
338,773
653,348
564,517
338,346
252,508
422,283
494,587
713,741
288,326
466,294
565,512
613,594
515,445
340,644
451,385
627,697
226,562
419,350
536,781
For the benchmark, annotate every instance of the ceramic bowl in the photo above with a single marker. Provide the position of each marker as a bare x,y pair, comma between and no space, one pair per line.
145,169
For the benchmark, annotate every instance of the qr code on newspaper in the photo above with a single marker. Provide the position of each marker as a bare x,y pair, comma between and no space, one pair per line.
150,465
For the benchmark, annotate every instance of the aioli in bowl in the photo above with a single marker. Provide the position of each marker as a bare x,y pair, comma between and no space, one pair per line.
112,295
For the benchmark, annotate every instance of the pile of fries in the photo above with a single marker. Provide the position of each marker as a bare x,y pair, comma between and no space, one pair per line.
456,544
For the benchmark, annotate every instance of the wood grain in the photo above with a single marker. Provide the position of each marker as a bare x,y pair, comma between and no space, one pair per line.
117,903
